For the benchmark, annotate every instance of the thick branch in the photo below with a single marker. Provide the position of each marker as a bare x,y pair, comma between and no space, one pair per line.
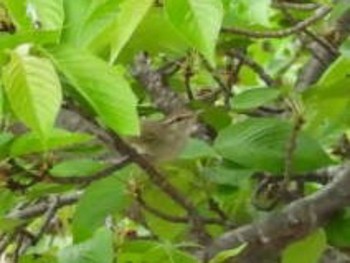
295,221
41,207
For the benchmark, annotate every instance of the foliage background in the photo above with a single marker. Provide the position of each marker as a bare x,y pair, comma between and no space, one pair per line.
269,81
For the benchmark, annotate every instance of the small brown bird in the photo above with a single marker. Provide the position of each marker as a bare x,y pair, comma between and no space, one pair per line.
163,140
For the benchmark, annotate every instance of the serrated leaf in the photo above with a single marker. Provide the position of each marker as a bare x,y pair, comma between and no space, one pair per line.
33,89
102,87
199,21
132,11
31,142
100,199
253,98
314,245
98,249
260,144
80,167
50,14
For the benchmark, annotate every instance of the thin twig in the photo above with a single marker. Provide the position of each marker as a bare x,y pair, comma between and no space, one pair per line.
232,72
290,148
42,206
51,211
218,80
18,248
188,74
319,14
120,163
323,42
156,177
254,66
160,180
214,206
172,218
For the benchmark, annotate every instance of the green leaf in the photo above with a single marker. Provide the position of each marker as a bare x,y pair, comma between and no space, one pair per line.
132,11
50,14
35,37
336,74
247,12
254,98
7,199
260,144
216,117
98,249
153,252
308,250
80,167
332,89
103,87
5,144
34,259
226,254
102,198
33,89
227,174
31,142
199,21
96,24
197,149
17,10
75,15
345,49
169,40
338,229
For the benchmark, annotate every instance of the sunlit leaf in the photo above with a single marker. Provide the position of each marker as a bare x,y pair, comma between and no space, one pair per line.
260,144
31,143
49,14
102,198
132,11
101,86
33,89
98,249
199,21
224,255
79,167
313,244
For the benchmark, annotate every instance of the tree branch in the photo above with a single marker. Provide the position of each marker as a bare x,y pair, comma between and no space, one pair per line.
42,206
319,14
295,221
